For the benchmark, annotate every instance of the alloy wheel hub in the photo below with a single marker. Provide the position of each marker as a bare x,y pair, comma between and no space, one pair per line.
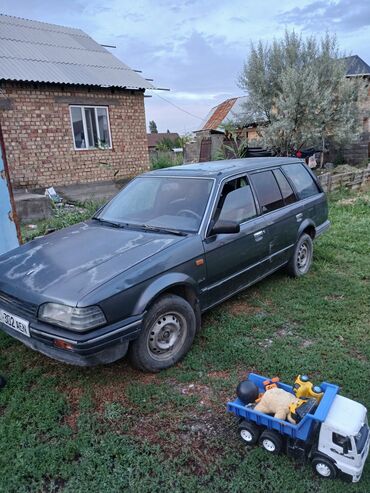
323,469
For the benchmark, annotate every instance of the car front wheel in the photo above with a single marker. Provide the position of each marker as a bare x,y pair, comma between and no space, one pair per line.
324,468
301,260
167,335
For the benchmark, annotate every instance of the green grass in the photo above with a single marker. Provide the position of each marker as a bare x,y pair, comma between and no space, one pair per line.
61,218
112,428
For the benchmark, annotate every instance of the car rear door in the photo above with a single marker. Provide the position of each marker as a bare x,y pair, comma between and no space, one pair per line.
235,260
312,205
278,204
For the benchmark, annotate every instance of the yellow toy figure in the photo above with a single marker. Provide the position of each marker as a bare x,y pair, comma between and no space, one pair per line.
303,388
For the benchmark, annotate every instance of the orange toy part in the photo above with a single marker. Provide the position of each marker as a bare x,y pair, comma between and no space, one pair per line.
271,383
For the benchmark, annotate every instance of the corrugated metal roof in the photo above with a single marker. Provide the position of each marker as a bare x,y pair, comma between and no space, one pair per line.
356,66
33,51
218,114
230,111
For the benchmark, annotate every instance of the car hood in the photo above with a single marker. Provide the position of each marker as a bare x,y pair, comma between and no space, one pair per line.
70,263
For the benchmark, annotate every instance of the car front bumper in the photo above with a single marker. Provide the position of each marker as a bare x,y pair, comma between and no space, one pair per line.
99,346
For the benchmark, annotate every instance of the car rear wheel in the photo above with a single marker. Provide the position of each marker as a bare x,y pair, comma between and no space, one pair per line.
271,441
249,432
301,260
167,335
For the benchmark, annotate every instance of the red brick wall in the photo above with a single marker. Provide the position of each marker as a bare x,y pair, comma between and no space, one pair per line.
39,142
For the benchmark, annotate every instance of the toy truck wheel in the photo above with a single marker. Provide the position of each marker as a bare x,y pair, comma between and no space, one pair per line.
249,432
271,441
324,468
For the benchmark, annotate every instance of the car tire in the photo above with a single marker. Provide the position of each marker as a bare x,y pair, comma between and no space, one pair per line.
249,432
324,468
301,260
167,335
271,441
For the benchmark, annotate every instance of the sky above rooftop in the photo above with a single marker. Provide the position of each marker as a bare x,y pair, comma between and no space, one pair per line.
197,48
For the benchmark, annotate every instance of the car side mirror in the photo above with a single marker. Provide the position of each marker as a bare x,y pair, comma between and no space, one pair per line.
225,227
345,447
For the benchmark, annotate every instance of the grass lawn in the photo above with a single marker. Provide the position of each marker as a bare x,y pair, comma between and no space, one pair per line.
113,429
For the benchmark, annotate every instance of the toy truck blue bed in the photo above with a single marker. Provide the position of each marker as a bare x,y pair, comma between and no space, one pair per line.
300,430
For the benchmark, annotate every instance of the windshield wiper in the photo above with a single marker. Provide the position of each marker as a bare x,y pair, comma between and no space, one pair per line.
157,229
108,223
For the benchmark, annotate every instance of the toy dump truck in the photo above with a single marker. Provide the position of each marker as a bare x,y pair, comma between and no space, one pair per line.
334,437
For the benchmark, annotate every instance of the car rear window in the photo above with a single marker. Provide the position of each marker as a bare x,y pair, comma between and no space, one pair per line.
301,179
286,190
267,190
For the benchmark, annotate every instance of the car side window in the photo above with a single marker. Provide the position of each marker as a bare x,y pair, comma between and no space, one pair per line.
267,190
342,441
236,202
302,180
286,190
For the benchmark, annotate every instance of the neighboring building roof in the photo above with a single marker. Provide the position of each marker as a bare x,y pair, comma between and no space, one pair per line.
218,114
356,66
231,110
33,51
155,138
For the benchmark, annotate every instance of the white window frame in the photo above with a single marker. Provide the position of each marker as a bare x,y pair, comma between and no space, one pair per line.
95,107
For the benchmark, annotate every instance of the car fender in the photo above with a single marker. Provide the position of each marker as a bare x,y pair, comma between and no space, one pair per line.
305,224
162,284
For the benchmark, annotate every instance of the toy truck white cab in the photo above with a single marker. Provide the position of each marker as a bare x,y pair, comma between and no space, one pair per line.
343,440
334,437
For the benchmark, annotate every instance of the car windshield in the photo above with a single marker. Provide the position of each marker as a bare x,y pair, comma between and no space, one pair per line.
172,203
361,437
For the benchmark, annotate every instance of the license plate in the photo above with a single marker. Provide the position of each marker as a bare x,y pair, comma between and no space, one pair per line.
15,323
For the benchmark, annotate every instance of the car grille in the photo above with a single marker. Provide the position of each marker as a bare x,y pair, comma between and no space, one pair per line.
16,306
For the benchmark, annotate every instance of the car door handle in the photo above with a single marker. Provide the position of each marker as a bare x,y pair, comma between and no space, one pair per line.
299,217
259,234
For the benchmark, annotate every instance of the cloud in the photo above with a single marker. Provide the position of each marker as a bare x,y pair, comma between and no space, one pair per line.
196,47
344,15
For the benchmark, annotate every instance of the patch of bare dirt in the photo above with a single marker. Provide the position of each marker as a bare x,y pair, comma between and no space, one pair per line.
358,355
266,343
224,375
334,297
306,344
283,332
203,392
73,395
195,435
109,392
240,307
353,200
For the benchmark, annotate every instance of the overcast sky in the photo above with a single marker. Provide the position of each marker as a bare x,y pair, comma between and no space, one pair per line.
197,48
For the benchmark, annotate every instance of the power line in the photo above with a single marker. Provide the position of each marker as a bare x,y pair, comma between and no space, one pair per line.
179,107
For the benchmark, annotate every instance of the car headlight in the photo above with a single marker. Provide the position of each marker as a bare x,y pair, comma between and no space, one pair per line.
79,319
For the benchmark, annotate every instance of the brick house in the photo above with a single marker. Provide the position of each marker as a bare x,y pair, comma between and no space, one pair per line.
70,112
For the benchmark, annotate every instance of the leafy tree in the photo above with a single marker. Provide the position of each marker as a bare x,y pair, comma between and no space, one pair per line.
153,127
298,88
167,144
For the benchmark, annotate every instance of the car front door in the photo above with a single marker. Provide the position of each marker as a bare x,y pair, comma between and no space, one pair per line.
235,260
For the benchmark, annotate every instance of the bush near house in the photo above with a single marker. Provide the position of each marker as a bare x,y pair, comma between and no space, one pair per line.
70,429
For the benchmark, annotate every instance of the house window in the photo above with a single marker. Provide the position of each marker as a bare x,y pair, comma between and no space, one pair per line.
90,127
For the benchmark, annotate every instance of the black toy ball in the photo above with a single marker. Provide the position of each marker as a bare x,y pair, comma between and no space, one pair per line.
247,391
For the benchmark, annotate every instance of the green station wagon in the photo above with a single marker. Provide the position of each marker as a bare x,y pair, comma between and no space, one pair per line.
172,244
